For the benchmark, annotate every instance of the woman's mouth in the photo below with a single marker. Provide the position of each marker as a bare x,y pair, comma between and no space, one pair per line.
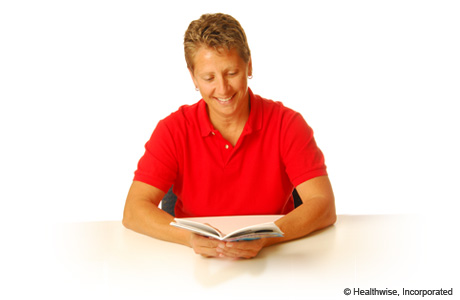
224,100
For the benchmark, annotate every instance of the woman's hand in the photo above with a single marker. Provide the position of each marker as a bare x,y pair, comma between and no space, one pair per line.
214,248
240,249
204,246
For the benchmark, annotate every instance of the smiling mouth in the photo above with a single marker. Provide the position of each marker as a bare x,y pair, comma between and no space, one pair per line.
224,100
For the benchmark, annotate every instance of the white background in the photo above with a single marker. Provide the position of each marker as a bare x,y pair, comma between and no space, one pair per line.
83,84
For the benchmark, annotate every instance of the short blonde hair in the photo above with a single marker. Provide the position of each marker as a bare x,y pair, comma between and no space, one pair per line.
218,31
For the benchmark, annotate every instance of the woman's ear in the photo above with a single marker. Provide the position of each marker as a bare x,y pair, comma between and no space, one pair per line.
193,78
250,66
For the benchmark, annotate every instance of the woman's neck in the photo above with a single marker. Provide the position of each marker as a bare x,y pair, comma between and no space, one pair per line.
231,127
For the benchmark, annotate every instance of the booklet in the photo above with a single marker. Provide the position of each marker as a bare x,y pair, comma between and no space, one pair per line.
232,228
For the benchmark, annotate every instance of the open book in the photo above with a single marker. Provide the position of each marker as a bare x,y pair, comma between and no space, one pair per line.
232,228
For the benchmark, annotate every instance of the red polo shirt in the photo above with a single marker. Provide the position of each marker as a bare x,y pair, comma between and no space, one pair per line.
275,153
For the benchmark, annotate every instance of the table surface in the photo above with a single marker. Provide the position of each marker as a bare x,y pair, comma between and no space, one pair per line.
104,259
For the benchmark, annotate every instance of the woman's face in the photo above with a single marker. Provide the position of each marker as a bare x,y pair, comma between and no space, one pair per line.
222,78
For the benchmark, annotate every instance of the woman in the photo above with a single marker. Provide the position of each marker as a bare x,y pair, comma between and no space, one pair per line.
232,153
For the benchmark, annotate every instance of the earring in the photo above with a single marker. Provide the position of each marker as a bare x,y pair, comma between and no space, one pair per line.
197,89
250,77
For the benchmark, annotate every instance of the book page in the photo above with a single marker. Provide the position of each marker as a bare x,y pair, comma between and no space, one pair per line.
198,227
256,231
229,224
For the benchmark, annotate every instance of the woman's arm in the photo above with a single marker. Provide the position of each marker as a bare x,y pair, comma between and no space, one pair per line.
142,214
316,212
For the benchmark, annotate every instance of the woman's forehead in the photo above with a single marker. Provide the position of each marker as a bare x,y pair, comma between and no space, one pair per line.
210,58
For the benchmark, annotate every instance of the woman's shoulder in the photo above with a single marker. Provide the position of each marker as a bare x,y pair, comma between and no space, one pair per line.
184,119
280,117
274,107
185,113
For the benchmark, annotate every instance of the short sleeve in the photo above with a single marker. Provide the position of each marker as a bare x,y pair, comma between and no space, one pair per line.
158,165
302,157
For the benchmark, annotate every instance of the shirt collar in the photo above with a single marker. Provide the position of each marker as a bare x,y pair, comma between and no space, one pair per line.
254,122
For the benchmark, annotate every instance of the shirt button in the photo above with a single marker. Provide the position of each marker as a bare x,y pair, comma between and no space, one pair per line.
226,146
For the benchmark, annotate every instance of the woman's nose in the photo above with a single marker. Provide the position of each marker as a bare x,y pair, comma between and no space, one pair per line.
222,86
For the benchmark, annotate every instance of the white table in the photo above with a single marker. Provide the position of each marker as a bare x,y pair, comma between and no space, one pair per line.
104,260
